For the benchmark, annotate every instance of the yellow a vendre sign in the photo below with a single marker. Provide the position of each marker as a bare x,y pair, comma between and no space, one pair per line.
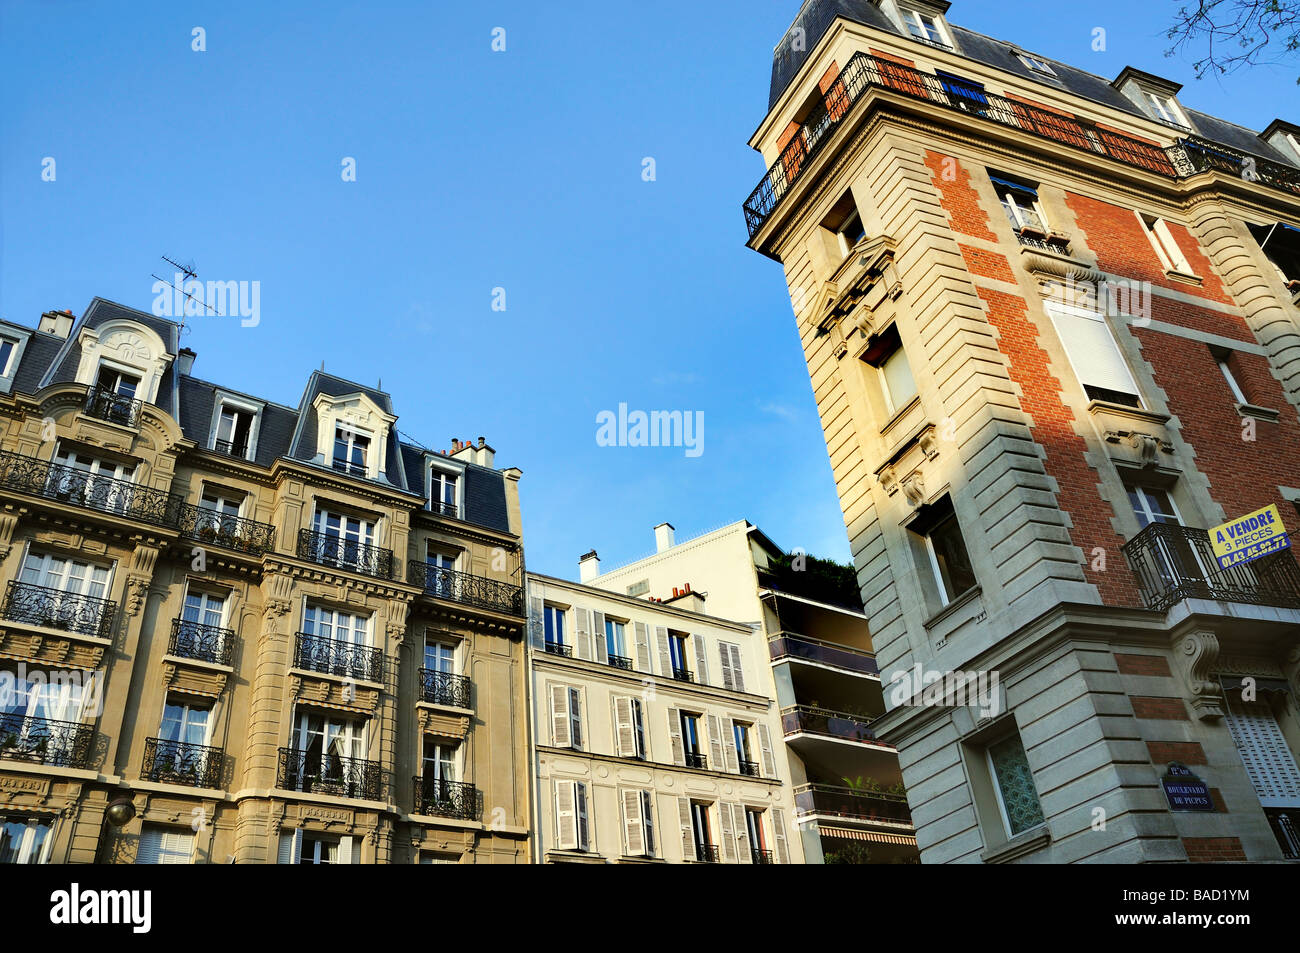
1249,537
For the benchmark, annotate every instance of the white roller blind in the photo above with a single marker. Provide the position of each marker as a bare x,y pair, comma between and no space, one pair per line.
1093,353
1269,762
162,846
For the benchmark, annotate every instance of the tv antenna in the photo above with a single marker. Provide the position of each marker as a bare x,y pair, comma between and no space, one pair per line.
188,273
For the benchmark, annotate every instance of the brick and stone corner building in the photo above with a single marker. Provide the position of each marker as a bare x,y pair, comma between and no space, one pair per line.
271,633
1051,326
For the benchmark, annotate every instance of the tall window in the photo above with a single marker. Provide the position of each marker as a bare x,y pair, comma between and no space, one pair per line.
351,449
74,583
754,827
678,657
1020,202
184,723
234,424
121,383
1280,242
1224,360
1152,505
7,348
571,816
440,657
327,623
1165,245
945,549
629,728
566,717
24,840
638,823
91,481
201,633
343,539
308,847
885,353
442,492
744,753
690,725
925,27
439,761
1094,355
554,628
1014,783
702,831
616,644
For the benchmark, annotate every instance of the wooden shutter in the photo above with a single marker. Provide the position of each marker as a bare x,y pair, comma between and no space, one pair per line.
765,751
724,659
160,846
575,718
560,736
675,736
566,822
346,849
598,636
665,660
740,823
717,759
582,629
688,834
633,824
729,746
624,735
150,846
537,622
1269,763
778,835
701,660
580,790
737,668
642,647
648,816
290,847
727,833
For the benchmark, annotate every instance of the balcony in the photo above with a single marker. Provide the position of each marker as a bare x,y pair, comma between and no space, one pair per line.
750,769
707,853
696,760
1193,155
852,804
339,552
104,404
805,719
439,798
231,448
62,744
788,645
1174,563
56,609
683,674
312,772
350,468
760,856
75,487
863,73
558,648
203,643
443,508
221,529
314,653
465,588
444,688
175,762
620,661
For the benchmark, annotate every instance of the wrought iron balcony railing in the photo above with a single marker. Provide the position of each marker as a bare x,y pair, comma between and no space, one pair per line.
206,643
316,772
621,661
175,762
350,468
823,721
558,648
695,759
789,645
443,508
1193,154
760,856
852,803
329,549
1285,823
749,768
1174,563
683,674
864,72
444,688
440,798
63,744
56,609
316,653
466,588
231,448
222,529
116,408
706,853
64,484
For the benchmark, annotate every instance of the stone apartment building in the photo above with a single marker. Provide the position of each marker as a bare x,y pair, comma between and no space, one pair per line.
815,657
237,631
1050,321
654,732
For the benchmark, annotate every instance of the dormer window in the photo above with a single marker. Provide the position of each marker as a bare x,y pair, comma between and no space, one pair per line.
1166,109
233,427
1036,64
351,450
8,347
444,491
113,398
114,381
925,27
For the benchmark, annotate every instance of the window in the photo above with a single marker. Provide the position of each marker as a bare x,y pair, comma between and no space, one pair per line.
885,353
70,605
629,728
443,487
1152,505
343,540
702,832
440,657
616,644
184,723
758,848
690,727
638,823
1162,240
430,857
1165,109
325,623
351,449
29,703
566,717
1281,243
1021,204
945,549
71,576
1037,64
327,757
7,348
162,845
964,93
679,658
307,847
439,762
843,226
1013,782
554,629
925,27
1224,359
25,840
217,519
740,735
733,671
571,816
1094,355
91,481
113,381
234,425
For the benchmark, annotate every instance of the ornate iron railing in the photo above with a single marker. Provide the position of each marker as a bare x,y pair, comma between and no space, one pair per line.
1285,823
207,643
824,721
864,72
786,645
116,408
558,648
443,508
683,674
350,468
176,762
329,549
749,768
466,588
1194,154
63,744
222,529
441,798
1173,563
315,772
706,853
316,653
64,484
444,688
55,609
695,759
621,661
230,448
760,856
852,803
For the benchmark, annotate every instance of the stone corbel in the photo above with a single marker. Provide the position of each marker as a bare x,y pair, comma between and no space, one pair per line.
913,486
137,588
888,481
1147,447
1198,655
8,523
1292,669
929,443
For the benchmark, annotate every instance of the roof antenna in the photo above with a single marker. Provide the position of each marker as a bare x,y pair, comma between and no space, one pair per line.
187,273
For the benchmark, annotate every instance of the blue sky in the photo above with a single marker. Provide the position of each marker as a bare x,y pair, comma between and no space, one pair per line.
476,170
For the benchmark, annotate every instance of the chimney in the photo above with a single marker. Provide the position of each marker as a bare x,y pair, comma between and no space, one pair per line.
57,323
185,361
663,537
588,567
485,454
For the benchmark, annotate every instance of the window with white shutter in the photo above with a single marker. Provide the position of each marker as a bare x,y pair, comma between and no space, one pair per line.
629,728
1094,356
733,675
561,735
765,751
638,825
778,835
582,630
1270,764
642,647
701,659
162,845
25,840
571,815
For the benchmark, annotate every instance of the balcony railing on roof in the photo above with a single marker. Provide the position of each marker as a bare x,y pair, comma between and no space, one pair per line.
330,549
1174,563
864,72
1193,154
466,588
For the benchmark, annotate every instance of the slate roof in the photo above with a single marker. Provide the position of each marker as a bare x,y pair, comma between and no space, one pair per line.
816,16
282,431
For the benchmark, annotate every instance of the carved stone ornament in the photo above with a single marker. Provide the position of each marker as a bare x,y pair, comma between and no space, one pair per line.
914,488
1198,654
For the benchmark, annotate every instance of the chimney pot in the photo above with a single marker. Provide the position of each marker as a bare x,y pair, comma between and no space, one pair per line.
664,538
588,566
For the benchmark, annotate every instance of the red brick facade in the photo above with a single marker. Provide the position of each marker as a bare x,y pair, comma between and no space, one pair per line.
1156,665
1167,709
959,198
1186,752
1210,850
